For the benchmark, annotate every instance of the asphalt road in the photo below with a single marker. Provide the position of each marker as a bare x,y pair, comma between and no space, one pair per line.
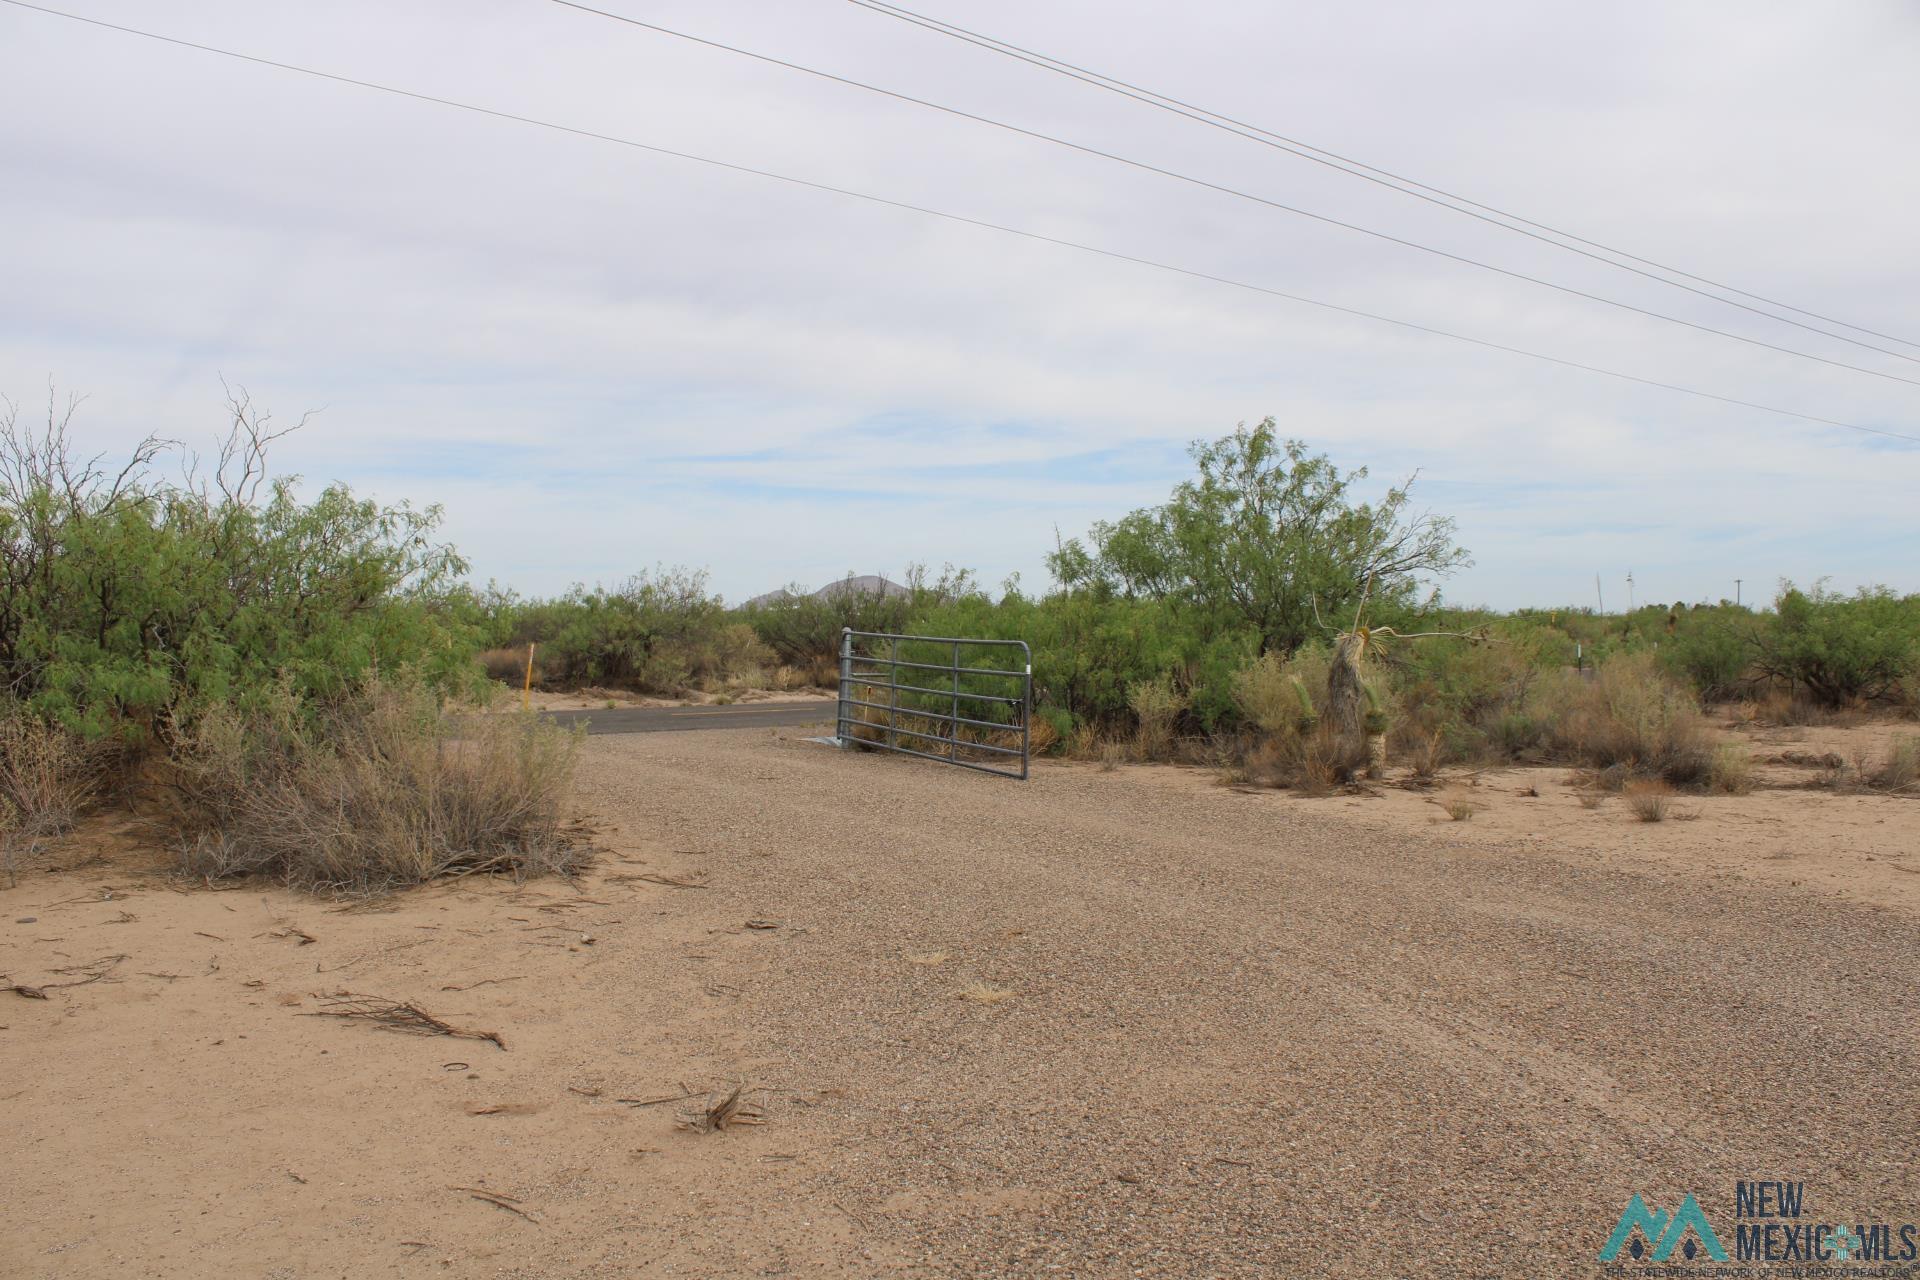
749,715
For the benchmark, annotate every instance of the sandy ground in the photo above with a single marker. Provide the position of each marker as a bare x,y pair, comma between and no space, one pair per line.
1100,1024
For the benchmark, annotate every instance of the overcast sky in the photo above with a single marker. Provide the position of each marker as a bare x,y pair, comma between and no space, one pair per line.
599,359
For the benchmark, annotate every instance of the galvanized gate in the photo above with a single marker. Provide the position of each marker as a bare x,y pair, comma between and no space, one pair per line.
878,712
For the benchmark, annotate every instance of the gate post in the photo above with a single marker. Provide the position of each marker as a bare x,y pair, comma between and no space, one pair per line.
846,687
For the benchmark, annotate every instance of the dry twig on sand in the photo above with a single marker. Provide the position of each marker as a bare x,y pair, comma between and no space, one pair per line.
654,1102
654,877
498,1200
395,1015
92,971
723,1113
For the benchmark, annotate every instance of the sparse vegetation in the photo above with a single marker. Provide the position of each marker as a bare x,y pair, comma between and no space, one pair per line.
1732,770
1900,771
376,791
217,633
48,776
1649,799
1631,718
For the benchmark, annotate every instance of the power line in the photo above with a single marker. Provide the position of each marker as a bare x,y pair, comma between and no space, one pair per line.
1393,181
1231,191
963,219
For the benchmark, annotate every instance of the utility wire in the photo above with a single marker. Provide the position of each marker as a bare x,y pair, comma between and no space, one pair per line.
982,223
1232,191
1393,181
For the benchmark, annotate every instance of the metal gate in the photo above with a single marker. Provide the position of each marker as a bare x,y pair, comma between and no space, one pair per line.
878,712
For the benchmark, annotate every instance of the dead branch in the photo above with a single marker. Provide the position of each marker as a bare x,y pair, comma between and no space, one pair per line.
395,1015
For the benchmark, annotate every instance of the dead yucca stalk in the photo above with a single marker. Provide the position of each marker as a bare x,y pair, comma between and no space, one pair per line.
723,1111
396,1015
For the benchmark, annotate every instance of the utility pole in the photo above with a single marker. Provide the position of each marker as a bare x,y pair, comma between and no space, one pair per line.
1629,591
1599,594
1736,593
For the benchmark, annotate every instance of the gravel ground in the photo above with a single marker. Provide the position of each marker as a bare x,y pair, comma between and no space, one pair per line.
1121,1023
1101,1024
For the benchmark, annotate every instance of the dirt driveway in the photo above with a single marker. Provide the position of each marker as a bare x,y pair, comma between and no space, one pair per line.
1102,1024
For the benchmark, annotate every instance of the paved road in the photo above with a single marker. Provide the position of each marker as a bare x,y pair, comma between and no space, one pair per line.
748,715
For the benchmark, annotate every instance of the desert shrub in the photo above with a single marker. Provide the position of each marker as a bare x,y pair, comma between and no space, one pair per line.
48,775
125,598
1282,700
374,791
1475,699
508,665
1280,696
1089,650
1649,799
1841,649
1793,709
1731,772
1156,704
803,629
658,632
1906,694
737,654
1900,771
1631,718
1713,649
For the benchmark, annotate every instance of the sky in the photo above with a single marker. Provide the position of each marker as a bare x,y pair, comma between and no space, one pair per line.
599,359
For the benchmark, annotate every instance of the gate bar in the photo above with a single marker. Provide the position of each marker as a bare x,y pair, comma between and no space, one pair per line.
892,730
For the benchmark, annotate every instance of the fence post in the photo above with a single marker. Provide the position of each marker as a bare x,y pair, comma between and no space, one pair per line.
1026,715
846,687
953,726
893,694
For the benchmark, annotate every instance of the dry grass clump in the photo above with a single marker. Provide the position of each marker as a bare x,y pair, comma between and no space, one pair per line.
985,993
1156,704
48,775
1795,709
1425,754
1731,772
1900,771
1295,745
509,666
1631,718
375,792
1042,737
1649,799
1459,808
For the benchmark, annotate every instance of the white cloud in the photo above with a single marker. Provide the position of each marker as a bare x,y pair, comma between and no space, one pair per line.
599,359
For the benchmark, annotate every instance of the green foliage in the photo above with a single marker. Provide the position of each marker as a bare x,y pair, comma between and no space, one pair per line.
1475,699
1842,649
1264,535
660,632
126,602
1631,719
1089,652
1713,648
803,628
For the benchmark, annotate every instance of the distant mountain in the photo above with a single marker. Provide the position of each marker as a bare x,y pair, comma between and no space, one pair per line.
866,584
